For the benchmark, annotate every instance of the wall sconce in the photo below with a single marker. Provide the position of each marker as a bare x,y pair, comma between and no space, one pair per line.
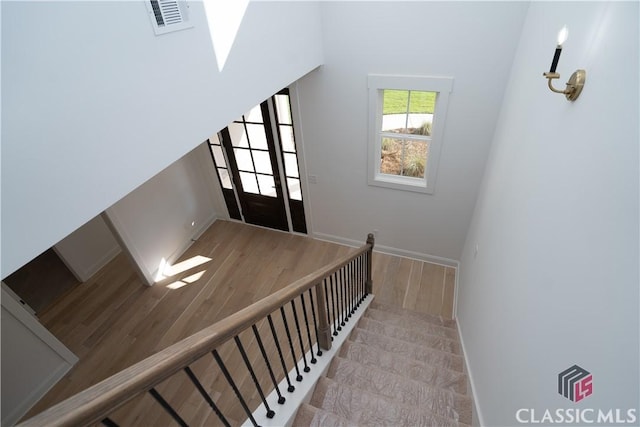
576,81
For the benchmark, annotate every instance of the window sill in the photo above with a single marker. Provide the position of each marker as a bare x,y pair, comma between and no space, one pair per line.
401,183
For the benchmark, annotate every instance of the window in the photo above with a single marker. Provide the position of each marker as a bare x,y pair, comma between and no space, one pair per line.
407,117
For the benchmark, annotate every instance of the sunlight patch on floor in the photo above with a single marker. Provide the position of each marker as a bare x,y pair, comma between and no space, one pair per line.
186,280
166,270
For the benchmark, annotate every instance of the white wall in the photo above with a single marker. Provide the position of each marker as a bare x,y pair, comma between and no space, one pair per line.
154,221
473,42
555,281
88,249
33,360
94,104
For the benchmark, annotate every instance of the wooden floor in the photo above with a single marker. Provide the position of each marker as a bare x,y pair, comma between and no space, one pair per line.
113,320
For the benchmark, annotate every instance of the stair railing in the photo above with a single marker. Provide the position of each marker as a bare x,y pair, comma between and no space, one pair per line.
338,290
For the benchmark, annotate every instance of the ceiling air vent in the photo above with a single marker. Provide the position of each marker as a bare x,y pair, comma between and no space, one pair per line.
168,15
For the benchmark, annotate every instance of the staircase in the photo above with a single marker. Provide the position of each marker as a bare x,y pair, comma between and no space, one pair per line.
399,368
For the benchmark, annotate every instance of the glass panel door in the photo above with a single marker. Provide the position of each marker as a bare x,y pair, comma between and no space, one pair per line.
254,159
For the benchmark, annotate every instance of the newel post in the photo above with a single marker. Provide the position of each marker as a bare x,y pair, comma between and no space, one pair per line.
324,330
369,283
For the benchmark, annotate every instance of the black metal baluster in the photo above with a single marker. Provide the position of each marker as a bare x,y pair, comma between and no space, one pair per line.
329,308
281,398
334,303
361,273
306,321
109,422
291,387
342,300
354,285
357,286
315,323
350,288
167,407
270,412
206,396
368,262
293,352
295,318
227,375
345,293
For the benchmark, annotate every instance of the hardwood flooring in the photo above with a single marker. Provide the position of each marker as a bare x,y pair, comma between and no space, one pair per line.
113,320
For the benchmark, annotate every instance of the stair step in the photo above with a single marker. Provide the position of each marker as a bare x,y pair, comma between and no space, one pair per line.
409,368
436,320
365,408
437,401
417,352
411,335
409,322
311,416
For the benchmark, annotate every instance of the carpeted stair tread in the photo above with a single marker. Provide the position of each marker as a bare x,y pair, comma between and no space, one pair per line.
436,320
362,407
408,322
443,403
411,335
310,416
438,377
417,352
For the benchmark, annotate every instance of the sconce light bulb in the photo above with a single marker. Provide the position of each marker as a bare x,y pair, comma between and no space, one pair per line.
563,35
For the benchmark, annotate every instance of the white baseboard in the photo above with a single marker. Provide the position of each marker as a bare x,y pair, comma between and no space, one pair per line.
433,259
94,268
477,413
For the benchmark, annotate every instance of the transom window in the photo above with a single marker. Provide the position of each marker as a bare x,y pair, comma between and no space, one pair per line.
407,114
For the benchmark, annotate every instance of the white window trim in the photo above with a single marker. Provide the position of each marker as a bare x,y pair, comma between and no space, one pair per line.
377,83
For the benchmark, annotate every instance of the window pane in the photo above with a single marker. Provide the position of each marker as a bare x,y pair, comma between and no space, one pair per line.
267,185
391,156
262,161
215,139
224,178
286,138
243,159
257,136
408,111
422,102
283,109
294,188
395,101
255,115
238,136
249,183
291,164
217,154
414,159
394,123
394,110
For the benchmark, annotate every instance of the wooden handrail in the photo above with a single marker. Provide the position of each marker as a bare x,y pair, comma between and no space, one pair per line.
95,403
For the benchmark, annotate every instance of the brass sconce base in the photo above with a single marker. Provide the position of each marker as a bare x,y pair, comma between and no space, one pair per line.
574,85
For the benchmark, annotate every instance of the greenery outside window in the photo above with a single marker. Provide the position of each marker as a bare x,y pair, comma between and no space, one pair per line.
407,116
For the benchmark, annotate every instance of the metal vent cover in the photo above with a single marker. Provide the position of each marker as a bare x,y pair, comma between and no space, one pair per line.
168,15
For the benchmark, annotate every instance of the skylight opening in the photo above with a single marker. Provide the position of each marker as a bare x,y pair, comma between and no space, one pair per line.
224,18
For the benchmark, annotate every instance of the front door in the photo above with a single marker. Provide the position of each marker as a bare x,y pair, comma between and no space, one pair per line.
256,160
253,165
